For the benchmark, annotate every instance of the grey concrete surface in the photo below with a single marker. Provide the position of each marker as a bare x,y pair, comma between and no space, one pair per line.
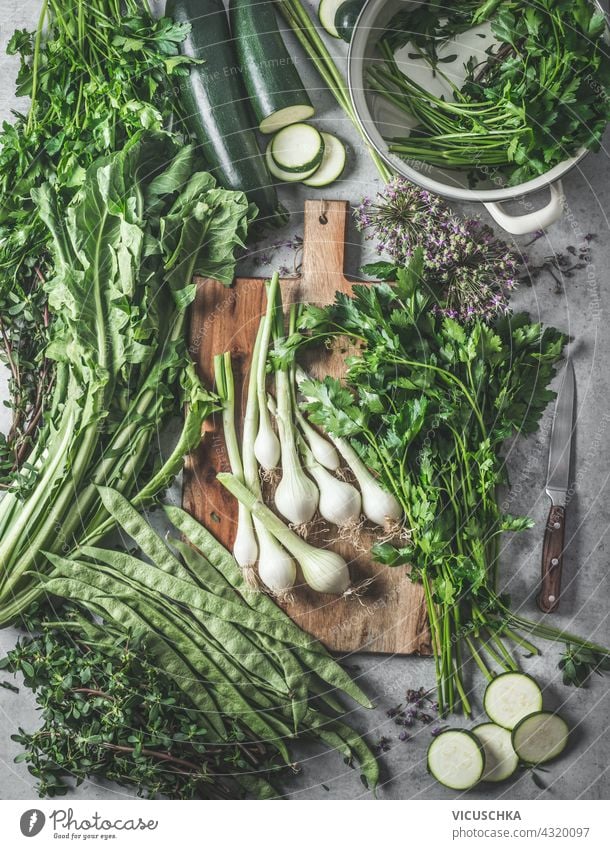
582,308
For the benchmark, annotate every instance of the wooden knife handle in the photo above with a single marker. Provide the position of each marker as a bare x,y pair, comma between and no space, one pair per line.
552,556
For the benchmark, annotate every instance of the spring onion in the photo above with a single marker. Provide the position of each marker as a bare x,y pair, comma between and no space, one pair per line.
378,505
340,502
296,495
324,571
266,444
245,548
276,569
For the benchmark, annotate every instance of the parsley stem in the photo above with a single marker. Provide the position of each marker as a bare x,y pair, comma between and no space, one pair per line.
477,659
459,662
448,654
520,641
485,646
436,640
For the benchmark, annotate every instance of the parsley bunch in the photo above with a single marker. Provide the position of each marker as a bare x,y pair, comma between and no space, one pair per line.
97,74
428,404
540,95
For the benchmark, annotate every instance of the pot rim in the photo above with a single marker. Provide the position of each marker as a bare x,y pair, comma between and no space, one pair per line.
374,138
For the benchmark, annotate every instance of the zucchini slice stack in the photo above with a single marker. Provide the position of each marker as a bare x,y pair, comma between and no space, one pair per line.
297,153
520,731
300,153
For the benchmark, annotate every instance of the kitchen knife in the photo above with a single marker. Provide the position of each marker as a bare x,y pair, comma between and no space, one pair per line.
557,484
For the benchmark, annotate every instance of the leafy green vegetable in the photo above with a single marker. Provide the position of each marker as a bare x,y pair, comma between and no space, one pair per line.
109,711
125,252
427,404
242,663
97,74
579,662
541,94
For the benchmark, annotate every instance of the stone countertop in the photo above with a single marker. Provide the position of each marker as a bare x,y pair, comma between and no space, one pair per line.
581,306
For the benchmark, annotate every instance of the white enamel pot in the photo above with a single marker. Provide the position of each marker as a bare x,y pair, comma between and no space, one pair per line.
378,118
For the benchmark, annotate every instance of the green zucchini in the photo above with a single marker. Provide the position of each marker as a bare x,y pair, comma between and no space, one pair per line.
285,176
216,107
326,14
501,761
510,697
332,165
540,737
273,83
456,759
345,18
297,148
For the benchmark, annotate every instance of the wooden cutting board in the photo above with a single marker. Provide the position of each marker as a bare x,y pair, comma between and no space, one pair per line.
390,614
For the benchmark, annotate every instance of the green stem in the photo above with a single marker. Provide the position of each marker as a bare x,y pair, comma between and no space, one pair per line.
309,39
458,662
520,641
436,642
36,65
225,387
477,659
288,538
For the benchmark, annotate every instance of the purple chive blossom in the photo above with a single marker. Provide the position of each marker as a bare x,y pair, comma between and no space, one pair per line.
383,745
436,730
469,269
404,736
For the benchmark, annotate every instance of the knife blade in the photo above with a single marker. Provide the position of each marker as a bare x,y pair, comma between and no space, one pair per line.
557,486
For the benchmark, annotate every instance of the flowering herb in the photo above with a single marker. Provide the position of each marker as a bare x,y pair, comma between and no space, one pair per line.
470,272
412,711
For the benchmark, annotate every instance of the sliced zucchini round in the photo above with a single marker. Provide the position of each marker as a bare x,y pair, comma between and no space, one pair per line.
284,176
456,759
510,697
501,760
332,165
540,737
285,117
297,148
326,14
345,18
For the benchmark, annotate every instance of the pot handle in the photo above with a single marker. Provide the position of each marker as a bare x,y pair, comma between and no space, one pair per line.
518,225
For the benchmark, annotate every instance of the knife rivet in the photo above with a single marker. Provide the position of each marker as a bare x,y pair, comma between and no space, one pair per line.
554,561
551,598
557,525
